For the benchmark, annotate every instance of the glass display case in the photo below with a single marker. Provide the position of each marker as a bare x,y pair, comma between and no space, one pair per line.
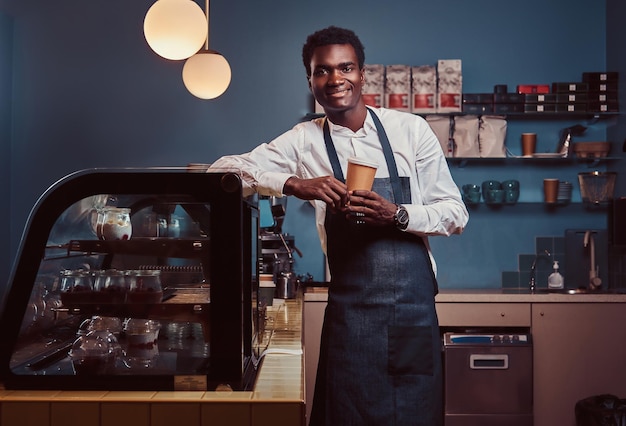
136,279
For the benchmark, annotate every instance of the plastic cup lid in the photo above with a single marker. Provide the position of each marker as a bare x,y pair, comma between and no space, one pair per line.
362,162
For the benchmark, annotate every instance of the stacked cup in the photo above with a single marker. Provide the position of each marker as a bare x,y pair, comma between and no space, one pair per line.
511,191
471,193
493,192
565,192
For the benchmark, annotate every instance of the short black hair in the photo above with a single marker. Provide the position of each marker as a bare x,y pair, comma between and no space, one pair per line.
331,35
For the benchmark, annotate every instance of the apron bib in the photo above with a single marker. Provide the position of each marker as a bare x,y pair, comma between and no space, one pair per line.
380,352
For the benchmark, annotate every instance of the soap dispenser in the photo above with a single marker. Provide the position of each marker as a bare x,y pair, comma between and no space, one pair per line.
555,280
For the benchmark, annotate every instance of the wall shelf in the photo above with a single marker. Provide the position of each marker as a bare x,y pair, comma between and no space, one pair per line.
501,161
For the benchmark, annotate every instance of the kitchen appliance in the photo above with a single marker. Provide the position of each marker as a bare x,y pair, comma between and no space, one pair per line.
488,379
277,250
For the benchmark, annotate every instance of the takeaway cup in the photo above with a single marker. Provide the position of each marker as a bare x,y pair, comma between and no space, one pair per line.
529,144
550,190
361,174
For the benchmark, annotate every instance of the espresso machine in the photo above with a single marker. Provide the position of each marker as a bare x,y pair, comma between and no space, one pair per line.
277,250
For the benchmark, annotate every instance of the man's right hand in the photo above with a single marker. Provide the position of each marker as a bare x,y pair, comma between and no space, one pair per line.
325,188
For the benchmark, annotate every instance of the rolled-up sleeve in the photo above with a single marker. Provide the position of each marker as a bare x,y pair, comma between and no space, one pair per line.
266,168
439,209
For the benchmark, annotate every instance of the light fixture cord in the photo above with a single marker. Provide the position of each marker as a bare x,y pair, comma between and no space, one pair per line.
208,26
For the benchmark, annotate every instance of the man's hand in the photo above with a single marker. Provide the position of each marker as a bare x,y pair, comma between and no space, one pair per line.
370,208
325,188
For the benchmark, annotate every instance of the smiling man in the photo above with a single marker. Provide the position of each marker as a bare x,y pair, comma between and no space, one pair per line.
380,353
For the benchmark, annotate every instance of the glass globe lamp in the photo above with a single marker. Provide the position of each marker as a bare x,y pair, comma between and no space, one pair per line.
175,29
206,74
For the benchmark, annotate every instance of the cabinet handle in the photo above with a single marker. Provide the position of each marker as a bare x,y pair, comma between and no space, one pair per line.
501,314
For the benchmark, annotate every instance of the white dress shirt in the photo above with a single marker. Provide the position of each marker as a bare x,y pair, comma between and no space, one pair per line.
436,207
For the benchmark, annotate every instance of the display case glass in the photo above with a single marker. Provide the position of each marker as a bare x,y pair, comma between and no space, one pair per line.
136,279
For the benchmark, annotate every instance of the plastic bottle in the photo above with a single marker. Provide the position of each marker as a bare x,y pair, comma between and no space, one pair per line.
555,280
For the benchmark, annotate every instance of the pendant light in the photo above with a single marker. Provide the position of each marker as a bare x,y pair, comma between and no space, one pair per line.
207,73
175,29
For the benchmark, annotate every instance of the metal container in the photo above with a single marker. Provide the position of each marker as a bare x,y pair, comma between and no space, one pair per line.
596,187
286,286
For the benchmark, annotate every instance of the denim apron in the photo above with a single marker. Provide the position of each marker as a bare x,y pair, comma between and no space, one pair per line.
380,351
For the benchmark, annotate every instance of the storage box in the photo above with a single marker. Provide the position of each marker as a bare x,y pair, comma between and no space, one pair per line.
533,88
374,88
398,87
507,98
602,97
540,98
508,108
609,106
608,86
449,85
423,89
477,98
566,87
531,108
589,77
567,98
573,107
478,109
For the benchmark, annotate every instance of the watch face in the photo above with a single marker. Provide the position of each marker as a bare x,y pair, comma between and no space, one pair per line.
402,218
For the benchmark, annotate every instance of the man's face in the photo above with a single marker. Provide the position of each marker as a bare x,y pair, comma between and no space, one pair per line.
336,80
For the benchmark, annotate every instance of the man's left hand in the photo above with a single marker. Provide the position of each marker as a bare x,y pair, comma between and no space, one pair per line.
367,207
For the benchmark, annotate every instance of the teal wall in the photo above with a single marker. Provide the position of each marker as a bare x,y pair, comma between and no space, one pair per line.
6,42
88,92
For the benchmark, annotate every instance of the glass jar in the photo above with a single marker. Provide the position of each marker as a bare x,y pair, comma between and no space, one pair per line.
76,287
109,286
114,224
144,286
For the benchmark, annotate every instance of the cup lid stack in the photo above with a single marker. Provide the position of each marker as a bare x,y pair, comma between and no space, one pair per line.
565,192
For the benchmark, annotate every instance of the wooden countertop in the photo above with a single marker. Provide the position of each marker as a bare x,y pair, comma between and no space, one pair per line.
496,295
277,397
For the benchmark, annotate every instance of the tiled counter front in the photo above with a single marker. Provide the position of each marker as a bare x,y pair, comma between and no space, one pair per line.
277,398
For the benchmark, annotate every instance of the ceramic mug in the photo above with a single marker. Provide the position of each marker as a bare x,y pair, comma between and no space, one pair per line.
511,196
490,184
494,196
471,193
510,184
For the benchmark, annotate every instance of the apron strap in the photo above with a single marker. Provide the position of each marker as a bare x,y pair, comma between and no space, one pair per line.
332,153
386,146
391,161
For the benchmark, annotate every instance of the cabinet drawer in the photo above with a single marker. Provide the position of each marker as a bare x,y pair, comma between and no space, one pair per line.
483,314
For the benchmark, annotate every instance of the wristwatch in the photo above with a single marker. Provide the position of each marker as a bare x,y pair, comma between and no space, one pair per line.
401,218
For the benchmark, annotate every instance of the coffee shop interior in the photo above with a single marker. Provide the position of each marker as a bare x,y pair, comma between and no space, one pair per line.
80,88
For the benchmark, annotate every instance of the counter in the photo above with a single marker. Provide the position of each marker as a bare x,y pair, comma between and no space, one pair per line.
277,398
579,340
320,294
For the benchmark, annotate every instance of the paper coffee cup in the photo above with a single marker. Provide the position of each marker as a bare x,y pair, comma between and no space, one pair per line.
529,144
361,174
550,190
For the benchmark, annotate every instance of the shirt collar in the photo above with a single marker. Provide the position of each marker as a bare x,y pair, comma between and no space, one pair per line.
368,126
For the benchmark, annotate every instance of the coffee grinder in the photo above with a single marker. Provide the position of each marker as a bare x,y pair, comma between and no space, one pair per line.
277,251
